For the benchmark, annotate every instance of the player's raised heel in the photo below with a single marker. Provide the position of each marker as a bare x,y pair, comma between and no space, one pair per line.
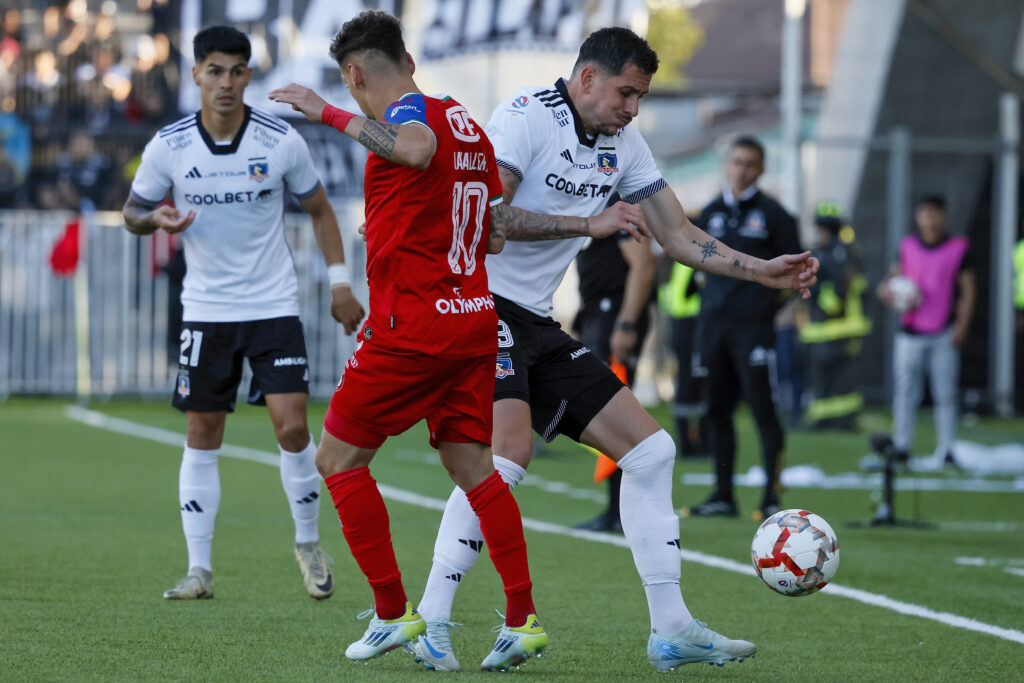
384,635
197,585
434,648
695,643
516,644
315,566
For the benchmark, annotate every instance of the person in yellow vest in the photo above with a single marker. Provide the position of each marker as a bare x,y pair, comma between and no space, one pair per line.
679,301
1018,305
837,327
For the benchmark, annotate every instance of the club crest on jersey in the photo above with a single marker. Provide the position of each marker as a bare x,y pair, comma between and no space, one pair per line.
755,225
259,169
503,368
184,388
520,101
462,125
606,163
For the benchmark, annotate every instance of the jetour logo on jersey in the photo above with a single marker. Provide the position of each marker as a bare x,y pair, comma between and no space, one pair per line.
462,125
259,169
520,101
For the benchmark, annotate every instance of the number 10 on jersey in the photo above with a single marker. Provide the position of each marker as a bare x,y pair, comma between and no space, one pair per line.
463,210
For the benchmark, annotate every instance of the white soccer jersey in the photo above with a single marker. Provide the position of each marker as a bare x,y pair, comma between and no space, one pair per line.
239,264
538,135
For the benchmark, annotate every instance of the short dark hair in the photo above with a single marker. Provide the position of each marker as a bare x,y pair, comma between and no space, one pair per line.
936,201
612,48
226,39
370,30
748,142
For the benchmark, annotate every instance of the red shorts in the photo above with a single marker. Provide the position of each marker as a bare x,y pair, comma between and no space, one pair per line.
383,394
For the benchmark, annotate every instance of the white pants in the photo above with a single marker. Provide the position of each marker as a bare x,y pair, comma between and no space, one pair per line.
913,356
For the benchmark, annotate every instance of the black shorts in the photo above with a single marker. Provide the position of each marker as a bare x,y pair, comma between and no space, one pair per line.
210,364
565,384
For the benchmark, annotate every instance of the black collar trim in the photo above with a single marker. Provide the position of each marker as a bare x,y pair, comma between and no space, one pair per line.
581,132
223,149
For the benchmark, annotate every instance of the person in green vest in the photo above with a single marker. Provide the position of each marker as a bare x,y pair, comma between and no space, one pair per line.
837,327
1018,305
679,301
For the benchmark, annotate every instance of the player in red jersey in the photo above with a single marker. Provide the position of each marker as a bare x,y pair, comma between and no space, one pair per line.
428,347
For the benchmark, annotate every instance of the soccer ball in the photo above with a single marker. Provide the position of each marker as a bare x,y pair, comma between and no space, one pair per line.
795,552
905,294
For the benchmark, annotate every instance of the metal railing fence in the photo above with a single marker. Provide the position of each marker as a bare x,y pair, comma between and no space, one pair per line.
110,328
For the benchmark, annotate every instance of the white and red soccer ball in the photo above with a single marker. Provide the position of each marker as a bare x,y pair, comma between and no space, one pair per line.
795,552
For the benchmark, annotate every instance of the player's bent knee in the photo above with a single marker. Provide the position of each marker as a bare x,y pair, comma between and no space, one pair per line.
518,450
656,451
293,437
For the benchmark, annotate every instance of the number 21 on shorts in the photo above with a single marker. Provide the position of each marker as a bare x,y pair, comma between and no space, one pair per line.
469,202
193,340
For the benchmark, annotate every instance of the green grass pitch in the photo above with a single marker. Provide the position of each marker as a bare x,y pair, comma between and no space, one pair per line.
90,536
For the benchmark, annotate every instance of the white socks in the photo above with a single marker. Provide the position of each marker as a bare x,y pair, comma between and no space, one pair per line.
458,546
199,496
301,483
652,528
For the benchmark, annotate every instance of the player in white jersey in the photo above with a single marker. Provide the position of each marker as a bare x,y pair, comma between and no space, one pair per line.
564,150
226,169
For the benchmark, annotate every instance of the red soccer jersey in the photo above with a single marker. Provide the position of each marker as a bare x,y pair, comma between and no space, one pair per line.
426,238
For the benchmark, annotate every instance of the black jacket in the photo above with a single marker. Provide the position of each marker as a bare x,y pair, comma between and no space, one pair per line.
757,226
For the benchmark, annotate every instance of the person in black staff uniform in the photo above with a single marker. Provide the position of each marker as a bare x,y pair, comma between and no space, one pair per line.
737,337
616,277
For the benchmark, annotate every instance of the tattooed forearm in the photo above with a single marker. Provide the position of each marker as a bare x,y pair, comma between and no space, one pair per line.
708,249
379,138
525,226
496,240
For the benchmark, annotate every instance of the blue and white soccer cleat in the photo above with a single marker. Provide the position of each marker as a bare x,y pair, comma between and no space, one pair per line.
384,635
515,645
695,643
434,648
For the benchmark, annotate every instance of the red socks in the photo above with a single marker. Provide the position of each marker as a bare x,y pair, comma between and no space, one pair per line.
364,521
502,528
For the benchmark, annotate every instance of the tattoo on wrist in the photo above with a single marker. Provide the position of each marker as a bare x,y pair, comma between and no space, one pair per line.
586,225
379,138
707,250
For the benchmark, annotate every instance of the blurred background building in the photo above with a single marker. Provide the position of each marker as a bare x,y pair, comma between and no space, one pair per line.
863,103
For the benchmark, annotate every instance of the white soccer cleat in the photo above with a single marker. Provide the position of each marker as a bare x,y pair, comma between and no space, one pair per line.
197,585
315,566
434,648
515,645
695,643
384,635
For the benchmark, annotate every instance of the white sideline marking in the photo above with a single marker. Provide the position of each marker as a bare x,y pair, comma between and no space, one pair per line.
101,421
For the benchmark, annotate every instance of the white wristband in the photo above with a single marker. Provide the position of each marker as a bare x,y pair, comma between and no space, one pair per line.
337,275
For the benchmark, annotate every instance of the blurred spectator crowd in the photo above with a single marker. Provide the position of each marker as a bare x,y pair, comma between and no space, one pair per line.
83,85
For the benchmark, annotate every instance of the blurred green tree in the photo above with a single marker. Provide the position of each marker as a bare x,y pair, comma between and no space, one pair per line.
675,35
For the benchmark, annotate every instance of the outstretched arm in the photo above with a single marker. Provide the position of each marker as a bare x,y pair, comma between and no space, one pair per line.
685,242
344,306
407,145
520,225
